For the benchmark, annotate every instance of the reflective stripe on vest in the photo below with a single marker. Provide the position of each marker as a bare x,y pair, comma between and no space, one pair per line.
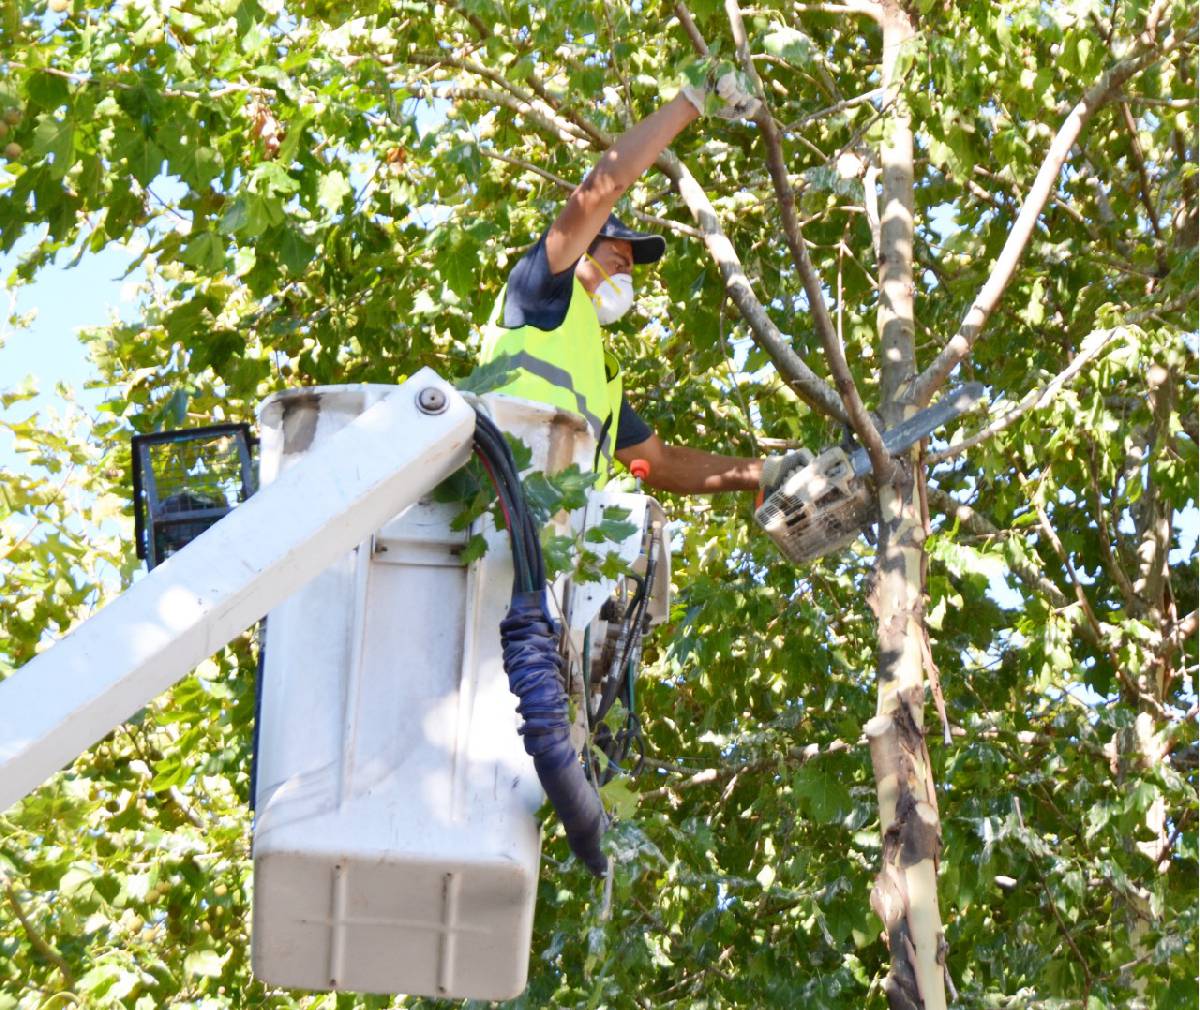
562,378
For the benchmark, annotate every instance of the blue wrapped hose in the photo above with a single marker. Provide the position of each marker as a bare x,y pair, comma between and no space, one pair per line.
529,637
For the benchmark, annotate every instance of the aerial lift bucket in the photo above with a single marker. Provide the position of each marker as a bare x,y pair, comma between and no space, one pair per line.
396,843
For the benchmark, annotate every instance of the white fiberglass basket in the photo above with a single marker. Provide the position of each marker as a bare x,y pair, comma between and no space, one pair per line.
396,846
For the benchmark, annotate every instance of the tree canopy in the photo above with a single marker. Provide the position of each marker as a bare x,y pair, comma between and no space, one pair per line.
331,192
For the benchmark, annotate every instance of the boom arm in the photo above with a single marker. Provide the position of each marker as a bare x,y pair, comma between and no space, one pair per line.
67,698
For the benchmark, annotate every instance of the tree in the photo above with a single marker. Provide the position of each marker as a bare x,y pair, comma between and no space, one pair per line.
331,195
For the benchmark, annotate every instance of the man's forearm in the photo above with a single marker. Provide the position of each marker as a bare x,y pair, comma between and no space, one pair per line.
692,471
636,149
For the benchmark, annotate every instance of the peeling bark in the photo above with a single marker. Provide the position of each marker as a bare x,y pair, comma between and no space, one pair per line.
905,892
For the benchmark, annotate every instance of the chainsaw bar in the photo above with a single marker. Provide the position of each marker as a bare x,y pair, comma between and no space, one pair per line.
923,423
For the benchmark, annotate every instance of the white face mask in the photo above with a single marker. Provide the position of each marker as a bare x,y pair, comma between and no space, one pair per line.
614,296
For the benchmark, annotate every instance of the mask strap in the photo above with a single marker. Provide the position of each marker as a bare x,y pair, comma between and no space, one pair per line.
602,270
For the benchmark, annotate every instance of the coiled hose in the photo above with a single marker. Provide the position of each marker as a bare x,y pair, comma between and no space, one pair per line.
529,637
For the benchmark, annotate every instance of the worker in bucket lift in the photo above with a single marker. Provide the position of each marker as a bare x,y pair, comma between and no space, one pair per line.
578,278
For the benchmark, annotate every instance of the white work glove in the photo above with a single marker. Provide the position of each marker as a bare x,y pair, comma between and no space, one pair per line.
777,469
726,95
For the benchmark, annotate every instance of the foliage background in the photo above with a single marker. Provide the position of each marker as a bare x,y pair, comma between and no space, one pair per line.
333,194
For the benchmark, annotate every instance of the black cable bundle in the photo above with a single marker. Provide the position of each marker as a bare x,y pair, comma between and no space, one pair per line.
529,571
529,637
620,680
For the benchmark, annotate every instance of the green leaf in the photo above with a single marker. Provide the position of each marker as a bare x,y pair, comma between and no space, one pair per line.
476,548
206,963
74,880
47,90
489,376
204,165
333,190
142,157
56,139
615,531
101,979
250,215
791,45
826,796
620,797
205,252
295,251
558,552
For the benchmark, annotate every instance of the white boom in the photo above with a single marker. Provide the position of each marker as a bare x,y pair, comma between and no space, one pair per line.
71,695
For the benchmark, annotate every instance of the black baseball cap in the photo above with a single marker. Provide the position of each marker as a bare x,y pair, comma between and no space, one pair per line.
647,248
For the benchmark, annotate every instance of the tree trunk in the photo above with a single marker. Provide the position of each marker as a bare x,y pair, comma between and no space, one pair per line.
905,892
1145,745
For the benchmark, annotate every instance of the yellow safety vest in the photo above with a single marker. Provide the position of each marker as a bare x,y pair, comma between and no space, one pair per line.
567,367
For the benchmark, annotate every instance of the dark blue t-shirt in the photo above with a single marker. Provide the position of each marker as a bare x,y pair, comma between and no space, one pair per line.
536,297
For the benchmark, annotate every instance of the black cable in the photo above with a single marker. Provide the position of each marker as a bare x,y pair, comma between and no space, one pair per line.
521,577
613,684
524,531
529,637
529,570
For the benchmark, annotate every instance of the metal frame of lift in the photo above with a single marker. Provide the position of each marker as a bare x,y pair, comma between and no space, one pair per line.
185,609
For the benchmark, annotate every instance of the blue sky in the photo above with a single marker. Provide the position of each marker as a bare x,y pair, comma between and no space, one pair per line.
49,350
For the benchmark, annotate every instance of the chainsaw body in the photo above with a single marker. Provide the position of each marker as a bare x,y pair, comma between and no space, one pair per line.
819,508
822,507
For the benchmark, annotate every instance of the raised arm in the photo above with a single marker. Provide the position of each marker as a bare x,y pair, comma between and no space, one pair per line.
619,167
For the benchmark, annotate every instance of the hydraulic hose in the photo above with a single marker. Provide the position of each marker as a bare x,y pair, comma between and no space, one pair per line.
532,662
529,637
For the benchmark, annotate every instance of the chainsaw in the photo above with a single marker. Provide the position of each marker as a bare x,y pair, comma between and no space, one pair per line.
821,507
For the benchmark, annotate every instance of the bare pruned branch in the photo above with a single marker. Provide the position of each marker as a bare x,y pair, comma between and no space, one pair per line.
1099,94
797,756
547,122
810,387
1098,633
1184,631
1093,345
868,7
690,29
1107,554
848,103
39,942
1139,160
